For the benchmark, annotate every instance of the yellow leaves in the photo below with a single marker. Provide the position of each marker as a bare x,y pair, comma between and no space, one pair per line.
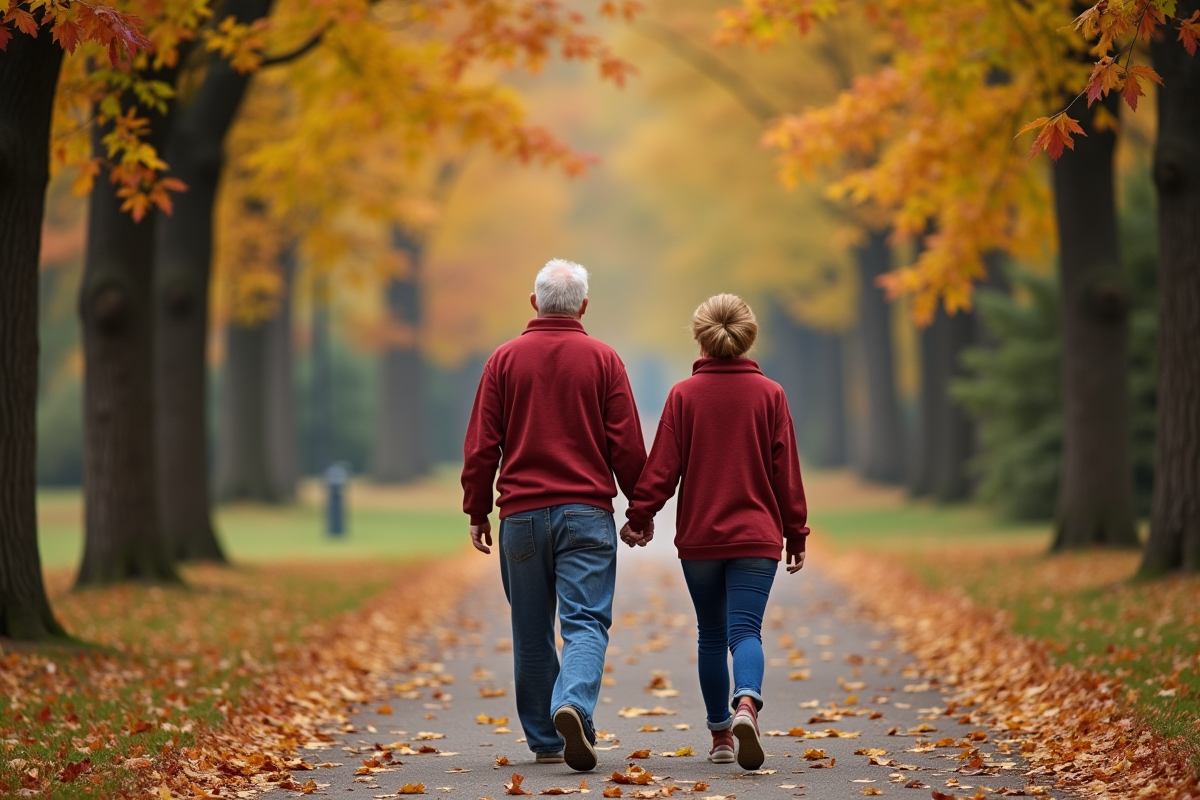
813,754
484,719
630,712
412,788
871,790
799,674
237,42
497,691
612,791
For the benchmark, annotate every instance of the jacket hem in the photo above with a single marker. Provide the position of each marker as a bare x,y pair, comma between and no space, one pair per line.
547,500
709,552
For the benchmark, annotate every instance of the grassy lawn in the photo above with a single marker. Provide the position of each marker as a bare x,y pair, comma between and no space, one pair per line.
159,662
421,520
1085,606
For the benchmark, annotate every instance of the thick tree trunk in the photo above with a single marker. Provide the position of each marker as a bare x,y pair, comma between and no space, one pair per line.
401,452
282,433
829,397
1096,494
124,534
243,465
324,447
184,253
882,455
945,433
28,73
1175,516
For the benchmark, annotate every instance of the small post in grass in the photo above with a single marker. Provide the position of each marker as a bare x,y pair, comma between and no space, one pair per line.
336,476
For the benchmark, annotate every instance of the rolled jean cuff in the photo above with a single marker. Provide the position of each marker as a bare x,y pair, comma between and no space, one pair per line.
753,695
720,726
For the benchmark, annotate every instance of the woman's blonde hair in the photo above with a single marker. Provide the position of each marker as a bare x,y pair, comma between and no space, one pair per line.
724,326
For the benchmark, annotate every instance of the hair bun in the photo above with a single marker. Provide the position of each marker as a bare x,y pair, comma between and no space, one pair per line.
724,326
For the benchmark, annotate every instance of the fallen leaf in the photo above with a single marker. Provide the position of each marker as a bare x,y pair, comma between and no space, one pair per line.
650,729
612,791
412,788
639,754
384,709
869,790
812,754
514,787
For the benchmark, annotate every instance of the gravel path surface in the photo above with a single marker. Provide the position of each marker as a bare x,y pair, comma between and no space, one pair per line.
839,698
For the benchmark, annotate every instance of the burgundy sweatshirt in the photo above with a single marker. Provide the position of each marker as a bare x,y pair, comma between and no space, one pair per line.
726,438
554,410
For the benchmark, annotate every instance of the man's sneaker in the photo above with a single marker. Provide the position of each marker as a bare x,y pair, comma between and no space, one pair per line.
548,758
750,753
722,749
579,751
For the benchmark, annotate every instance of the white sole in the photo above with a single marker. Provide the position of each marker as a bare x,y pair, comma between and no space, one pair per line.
750,753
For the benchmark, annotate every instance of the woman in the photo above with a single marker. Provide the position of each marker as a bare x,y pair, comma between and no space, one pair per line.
726,438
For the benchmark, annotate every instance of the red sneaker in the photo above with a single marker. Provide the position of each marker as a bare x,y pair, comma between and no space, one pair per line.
750,753
722,747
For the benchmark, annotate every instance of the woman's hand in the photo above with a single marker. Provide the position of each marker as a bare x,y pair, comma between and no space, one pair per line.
795,562
637,538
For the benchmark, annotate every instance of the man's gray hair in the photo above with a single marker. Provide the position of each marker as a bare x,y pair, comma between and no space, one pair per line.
561,287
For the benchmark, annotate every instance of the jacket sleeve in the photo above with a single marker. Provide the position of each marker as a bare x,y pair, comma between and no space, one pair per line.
623,430
786,482
482,448
660,477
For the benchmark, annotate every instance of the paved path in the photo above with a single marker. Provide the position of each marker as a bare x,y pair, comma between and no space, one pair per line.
827,672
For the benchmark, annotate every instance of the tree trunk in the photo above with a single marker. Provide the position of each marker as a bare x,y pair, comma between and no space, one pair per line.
124,534
243,466
29,73
324,447
401,451
829,396
1096,494
184,253
882,456
945,433
1175,516
282,433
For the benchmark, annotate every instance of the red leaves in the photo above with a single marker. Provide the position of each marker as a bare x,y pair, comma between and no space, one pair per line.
1105,77
72,771
1189,32
1054,133
1132,89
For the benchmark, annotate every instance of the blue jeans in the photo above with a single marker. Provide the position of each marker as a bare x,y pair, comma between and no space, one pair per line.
564,556
730,596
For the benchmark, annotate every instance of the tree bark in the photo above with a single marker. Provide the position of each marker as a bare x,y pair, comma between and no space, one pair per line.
1096,494
123,530
1174,542
282,456
28,72
829,397
243,466
882,456
401,451
324,446
184,253
945,433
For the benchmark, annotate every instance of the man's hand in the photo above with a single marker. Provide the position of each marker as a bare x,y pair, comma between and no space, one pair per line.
795,562
637,538
481,537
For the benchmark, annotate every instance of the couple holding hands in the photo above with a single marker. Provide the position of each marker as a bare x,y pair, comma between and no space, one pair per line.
555,414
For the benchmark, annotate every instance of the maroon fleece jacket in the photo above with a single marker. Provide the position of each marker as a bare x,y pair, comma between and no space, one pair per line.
554,410
726,438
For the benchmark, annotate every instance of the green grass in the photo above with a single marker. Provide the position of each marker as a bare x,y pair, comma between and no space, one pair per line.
258,533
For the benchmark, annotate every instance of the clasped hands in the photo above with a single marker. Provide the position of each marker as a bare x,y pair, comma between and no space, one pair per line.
637,538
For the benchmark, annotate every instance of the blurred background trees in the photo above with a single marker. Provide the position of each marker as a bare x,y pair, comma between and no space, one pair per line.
372,185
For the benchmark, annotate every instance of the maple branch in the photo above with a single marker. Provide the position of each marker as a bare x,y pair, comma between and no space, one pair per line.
709,65
284,58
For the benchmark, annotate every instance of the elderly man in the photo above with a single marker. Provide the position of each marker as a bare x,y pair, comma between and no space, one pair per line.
555,412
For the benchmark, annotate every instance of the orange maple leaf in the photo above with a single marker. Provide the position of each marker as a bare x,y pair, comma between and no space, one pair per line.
1054,134
1133,89
1189,32
1106,76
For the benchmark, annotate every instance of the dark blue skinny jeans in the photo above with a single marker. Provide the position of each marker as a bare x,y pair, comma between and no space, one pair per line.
730,596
